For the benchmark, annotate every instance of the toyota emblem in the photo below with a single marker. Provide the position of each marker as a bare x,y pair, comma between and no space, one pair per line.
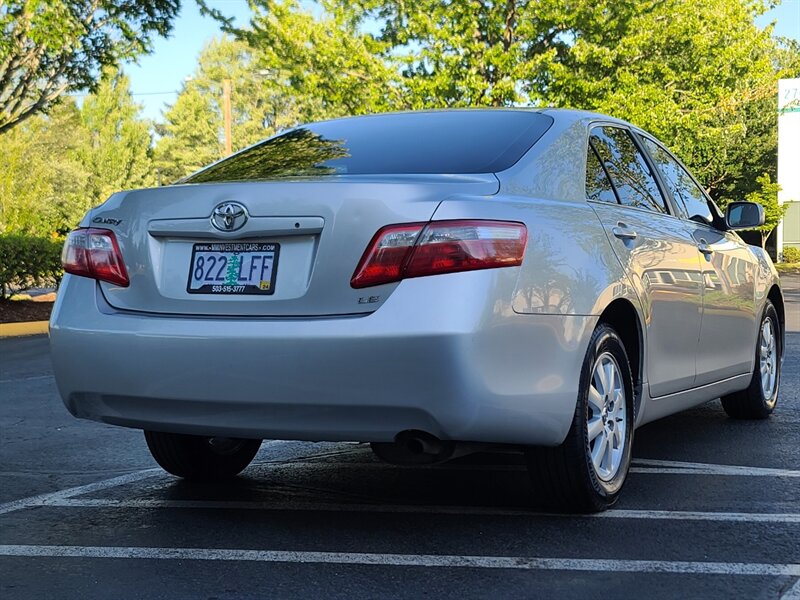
229,216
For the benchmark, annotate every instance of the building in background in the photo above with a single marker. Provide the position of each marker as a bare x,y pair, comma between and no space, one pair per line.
788,232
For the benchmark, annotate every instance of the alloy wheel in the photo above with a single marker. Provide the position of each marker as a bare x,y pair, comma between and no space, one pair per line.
607,417
768,355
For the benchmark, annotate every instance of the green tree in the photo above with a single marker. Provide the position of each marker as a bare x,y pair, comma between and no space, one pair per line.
325,63
766,194
320,57
259,105
48,47
192,135
701,76
118,151
474,53
189,137
55,167
42,180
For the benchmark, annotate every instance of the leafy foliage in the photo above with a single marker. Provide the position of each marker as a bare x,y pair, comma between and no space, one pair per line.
472,53
791,254
325,63
700,76
48,47
54,167
767,196
192,135
42,179
26,261
118,150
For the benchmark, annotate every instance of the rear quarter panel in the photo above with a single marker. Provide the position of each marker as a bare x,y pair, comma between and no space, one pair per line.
569,266
570,269
569,275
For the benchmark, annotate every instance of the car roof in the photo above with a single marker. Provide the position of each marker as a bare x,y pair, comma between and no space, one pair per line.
574,114
564,115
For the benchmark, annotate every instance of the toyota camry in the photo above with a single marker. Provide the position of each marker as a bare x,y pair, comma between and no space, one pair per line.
429,282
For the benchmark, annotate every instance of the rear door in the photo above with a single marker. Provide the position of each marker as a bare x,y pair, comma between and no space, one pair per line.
655,248
727,332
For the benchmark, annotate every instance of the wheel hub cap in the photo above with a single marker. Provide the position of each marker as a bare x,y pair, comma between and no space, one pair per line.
768,359
607,419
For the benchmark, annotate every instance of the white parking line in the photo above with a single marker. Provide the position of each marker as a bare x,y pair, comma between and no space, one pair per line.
291,505
21,379
793,593
41,499
650,467
714,469
53,497
66,498
407,560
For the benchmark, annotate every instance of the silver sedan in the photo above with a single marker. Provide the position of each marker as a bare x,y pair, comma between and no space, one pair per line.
429,282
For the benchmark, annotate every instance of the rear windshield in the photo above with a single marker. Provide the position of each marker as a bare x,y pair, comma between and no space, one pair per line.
454,142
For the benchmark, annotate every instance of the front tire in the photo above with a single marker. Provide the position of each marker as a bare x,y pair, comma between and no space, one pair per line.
759,399
587,471
201,458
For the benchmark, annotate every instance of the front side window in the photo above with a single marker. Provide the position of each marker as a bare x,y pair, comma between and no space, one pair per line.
687,194
598,186
634,182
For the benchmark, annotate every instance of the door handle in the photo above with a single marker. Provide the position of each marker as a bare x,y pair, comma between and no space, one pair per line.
623,233
705,248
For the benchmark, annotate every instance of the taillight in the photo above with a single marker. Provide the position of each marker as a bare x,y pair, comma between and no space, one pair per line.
418,249
94,253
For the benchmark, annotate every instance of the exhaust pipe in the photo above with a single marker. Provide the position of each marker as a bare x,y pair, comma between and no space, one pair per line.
423,444
412,447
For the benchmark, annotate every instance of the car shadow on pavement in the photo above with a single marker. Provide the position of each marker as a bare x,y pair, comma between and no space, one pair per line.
354,478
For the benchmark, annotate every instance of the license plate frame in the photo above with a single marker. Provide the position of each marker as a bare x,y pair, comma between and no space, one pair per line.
231,284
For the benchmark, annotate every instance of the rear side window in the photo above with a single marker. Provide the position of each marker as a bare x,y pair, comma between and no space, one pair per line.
634,182
598,185
450,142
687,194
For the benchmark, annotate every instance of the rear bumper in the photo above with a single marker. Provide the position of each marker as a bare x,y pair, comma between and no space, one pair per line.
465,367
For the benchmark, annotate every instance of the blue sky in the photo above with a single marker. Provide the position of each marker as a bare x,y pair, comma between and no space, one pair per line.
786,17
156,79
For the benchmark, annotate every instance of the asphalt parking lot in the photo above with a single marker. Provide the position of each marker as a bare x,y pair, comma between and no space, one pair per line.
711,510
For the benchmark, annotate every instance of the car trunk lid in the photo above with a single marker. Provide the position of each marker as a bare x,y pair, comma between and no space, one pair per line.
310,232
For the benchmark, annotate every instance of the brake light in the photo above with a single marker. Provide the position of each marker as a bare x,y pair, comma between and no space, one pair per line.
418,249
94,253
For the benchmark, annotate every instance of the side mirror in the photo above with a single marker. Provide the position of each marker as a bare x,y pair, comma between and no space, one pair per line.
744,215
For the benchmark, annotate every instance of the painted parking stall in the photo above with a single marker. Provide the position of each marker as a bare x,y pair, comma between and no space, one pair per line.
713,513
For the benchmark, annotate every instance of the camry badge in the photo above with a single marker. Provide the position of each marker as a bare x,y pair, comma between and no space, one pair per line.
229,216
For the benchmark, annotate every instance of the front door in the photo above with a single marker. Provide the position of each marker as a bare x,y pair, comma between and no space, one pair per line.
728,330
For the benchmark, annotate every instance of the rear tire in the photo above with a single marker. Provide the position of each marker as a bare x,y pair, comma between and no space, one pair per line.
587,471
759,399
201,458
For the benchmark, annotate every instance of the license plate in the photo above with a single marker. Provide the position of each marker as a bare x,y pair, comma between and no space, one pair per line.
233,268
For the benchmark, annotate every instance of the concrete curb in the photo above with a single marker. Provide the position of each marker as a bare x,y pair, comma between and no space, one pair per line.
20,329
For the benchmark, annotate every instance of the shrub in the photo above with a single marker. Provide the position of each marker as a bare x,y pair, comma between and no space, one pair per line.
26,261
791,254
